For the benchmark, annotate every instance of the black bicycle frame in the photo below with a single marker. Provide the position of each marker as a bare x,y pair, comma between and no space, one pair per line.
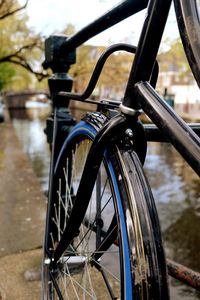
147,49
181,136
138,95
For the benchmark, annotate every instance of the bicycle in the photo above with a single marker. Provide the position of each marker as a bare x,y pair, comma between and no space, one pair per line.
102,236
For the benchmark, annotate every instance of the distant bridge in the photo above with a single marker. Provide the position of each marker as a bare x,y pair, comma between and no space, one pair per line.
19,99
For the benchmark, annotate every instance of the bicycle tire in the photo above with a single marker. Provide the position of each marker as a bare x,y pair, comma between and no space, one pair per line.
134,273
188,19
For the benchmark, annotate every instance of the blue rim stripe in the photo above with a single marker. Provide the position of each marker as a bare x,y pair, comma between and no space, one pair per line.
87,129
124,236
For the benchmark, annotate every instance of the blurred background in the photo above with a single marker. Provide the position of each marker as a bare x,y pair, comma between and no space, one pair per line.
23,89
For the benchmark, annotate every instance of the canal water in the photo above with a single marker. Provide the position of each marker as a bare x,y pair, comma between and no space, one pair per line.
175,187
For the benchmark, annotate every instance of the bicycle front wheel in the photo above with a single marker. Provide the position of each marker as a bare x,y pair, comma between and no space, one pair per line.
116,252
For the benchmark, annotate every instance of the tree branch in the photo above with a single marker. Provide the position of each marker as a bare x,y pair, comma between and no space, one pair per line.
8,57
25,65
12,11
20,61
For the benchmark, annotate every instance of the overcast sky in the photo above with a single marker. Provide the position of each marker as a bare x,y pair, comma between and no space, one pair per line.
48,16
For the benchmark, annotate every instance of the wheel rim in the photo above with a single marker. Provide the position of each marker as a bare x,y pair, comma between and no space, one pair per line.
79,274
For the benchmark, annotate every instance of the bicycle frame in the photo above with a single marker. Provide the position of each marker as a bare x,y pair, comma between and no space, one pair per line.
139,94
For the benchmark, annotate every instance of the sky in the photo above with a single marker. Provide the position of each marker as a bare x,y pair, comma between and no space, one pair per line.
49,16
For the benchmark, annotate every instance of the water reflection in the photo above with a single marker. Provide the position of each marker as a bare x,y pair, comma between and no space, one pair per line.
175,186
176,189
29,125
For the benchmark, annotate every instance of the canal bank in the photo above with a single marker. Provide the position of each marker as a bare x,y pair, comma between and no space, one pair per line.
22,218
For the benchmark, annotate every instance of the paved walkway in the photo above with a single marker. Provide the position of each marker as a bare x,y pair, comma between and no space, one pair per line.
22,218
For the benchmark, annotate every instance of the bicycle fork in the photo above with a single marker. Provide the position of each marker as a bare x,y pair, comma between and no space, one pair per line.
104,139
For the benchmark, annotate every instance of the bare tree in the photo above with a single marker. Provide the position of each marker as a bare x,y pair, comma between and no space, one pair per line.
19,51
